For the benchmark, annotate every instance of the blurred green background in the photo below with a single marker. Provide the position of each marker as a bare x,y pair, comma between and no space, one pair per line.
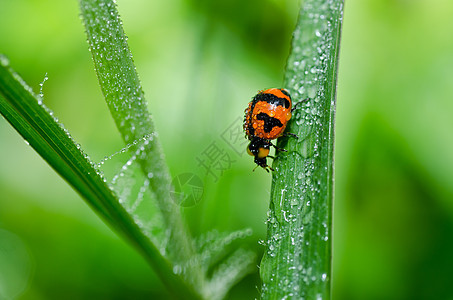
200,62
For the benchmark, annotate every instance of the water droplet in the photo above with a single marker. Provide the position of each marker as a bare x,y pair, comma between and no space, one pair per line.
4,61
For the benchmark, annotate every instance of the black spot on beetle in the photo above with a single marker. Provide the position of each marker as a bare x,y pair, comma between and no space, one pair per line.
269,122
272,99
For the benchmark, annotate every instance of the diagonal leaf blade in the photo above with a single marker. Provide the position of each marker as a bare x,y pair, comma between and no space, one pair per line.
23,110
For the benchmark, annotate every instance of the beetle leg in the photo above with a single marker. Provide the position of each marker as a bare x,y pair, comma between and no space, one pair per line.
278,148
300,102
290,134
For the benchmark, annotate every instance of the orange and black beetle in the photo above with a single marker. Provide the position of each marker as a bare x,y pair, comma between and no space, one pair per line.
265,119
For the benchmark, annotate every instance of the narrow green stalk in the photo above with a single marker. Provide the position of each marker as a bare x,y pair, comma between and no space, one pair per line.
297,260
124,96
23,110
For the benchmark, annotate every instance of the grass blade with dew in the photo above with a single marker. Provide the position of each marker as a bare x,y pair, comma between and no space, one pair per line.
124,96
297,260
41,130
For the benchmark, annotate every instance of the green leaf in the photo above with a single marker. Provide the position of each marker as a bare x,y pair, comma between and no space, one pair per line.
297,260
25,112
123,93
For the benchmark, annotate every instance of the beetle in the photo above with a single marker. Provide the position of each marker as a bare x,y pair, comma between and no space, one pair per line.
265,119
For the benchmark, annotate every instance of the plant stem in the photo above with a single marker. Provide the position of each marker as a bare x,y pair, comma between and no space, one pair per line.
297,260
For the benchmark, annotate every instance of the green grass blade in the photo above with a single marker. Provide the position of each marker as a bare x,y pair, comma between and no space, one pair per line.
123,93
34,122
21,108
297,261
